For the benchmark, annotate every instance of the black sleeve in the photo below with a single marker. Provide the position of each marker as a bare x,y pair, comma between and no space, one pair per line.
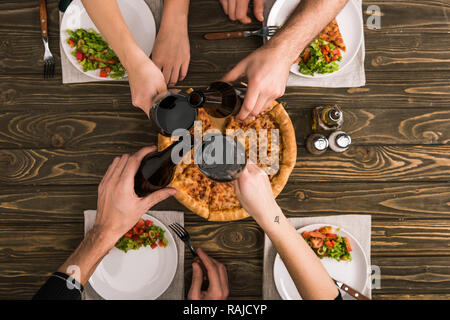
58,288
339,296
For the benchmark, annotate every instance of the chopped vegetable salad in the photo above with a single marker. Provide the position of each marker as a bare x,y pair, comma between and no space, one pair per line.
92,52
320,57
325,243
143,234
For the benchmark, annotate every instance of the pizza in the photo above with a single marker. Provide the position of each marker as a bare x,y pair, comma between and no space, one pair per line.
332,34
216,201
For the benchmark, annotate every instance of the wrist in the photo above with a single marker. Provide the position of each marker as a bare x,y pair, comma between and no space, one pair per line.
286,47
175,16
134,58
270,217
103,237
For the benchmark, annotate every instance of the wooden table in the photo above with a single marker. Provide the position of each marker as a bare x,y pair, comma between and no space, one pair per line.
56,142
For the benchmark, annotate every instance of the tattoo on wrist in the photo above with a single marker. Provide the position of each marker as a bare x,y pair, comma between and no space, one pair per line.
277,219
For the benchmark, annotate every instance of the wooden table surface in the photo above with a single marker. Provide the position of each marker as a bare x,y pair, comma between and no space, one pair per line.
57,140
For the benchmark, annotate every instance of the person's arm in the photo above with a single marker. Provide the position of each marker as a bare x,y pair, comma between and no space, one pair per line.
146,80
171,52
310,277
267,68
118,210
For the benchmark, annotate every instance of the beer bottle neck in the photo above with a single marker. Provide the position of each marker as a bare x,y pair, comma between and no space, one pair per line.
202,98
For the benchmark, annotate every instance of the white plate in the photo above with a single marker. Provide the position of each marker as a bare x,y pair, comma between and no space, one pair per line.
350,23
354,273
142,274
136,14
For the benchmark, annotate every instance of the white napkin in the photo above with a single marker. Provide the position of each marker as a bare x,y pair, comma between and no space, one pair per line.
352,76
72,75
176,288
359,226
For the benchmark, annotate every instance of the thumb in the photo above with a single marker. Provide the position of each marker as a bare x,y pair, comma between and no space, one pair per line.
235,73
158,196
197,280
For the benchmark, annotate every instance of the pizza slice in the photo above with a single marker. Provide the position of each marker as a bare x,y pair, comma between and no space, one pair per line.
332,34
193,189
257,136
223,203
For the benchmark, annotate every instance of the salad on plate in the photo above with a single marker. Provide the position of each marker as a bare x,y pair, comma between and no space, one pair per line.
93,53
319,57
143,234
326,243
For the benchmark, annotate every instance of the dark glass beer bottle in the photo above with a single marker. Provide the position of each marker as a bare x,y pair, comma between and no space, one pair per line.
173,112
219,100
156,170
221,157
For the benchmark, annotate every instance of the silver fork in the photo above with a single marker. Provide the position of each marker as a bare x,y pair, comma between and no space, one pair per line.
181,232
184,236
267,31
49,61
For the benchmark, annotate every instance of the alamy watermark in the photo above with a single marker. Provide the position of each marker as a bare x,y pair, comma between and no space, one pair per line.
374,20
262,147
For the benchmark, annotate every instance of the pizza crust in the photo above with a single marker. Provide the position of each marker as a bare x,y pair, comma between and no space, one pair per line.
185,199
228,214
289,151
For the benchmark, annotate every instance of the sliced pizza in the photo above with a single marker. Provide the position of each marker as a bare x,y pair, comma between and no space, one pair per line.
332,34
217,201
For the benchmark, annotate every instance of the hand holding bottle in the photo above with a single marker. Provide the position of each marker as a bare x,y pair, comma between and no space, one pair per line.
118,206
267,71
147,83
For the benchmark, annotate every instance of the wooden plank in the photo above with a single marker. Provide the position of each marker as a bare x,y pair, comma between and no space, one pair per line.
23,55
393,202
401,278
126,129
239,240
411,276
384,163
406,296
399,89
397,201
358,164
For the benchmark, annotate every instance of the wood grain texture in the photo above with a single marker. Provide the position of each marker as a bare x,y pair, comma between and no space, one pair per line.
56,142
384,201
131,128
40,255
359,163
399,89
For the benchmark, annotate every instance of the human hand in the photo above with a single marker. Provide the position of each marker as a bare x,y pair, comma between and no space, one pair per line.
147,83
254,192
238,9
217,276
267,71
171,53
118,206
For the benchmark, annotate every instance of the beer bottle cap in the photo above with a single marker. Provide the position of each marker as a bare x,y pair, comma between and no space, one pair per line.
196,99
343,140
320,143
